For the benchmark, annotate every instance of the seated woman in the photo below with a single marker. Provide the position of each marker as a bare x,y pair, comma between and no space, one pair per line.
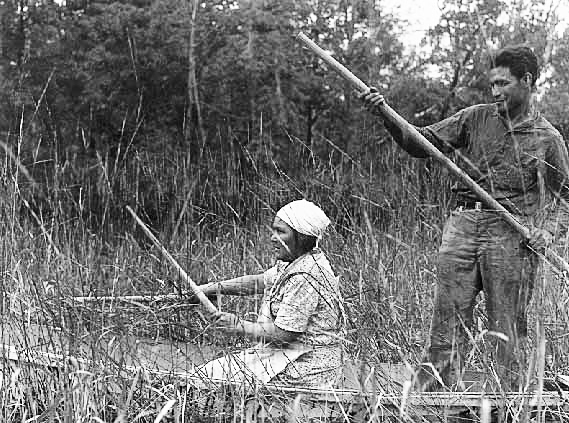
299,322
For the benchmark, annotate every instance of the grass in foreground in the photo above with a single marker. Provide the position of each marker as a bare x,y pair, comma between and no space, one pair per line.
383,247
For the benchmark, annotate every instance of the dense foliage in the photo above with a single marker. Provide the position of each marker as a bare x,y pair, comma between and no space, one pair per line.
218,95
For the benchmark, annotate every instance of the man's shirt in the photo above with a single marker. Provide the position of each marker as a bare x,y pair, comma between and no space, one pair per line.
525,167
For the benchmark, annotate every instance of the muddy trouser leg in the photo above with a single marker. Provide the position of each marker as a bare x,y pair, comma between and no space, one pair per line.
508,270
457,286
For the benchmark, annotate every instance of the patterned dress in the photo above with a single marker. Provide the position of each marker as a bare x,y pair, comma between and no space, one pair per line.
303,296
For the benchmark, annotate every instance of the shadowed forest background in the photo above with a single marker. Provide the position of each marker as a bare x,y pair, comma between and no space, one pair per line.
205,118
211,111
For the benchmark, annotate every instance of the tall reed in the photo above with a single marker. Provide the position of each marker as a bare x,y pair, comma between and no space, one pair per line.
69,236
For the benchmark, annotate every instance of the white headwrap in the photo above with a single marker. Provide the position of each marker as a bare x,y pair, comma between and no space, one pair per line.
304,217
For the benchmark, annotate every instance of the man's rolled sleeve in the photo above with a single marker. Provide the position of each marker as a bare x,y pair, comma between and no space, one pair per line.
554,217
298,304
557,172
448,134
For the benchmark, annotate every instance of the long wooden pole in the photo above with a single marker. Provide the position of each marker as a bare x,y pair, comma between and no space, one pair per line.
127,298
434,152
195,289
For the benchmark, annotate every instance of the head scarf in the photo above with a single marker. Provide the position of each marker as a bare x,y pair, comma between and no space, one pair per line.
305,217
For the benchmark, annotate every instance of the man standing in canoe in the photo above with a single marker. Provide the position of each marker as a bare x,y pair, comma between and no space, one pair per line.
517,156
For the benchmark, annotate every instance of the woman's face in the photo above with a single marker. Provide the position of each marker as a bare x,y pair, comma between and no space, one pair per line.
284,241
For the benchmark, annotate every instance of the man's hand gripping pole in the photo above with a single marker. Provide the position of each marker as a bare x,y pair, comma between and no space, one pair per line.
391,115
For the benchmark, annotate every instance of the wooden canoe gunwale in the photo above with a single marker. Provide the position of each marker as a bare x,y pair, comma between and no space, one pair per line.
559,399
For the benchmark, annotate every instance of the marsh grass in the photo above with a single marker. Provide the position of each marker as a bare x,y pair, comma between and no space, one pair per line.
67,235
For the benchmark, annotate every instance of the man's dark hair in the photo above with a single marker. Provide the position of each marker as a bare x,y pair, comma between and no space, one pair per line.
519,59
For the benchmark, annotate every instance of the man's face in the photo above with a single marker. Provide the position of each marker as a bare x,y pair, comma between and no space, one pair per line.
511,93
284,241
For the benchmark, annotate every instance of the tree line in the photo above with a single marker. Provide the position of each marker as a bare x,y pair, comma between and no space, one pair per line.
190,109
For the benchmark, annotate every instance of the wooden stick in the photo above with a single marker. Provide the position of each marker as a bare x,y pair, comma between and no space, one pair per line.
140,298
337,66
195,289
434,152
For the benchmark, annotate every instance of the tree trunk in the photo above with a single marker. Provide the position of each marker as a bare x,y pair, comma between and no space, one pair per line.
309,124
252,85
3,61
454,83
3,6
348,132
22,35
193,112
279,92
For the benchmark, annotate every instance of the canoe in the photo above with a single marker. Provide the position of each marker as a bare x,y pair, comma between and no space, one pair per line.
218,400
368,391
